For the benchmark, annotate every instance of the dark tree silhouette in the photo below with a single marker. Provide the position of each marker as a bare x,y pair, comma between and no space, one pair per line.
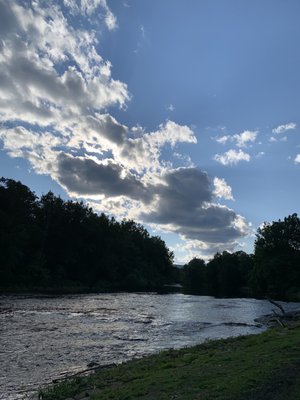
277,259
49,244
195,277
226,275
19,233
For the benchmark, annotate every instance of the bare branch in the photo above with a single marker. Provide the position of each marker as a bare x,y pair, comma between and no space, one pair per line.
277,305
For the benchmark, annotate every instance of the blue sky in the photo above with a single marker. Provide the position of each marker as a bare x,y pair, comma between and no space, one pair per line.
183,115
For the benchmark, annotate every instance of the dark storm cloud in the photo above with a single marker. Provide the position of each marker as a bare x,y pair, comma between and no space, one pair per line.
108,127
184,204
187,187
213,224
184,190
183,201
86,177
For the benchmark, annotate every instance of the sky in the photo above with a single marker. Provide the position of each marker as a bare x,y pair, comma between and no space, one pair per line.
181,115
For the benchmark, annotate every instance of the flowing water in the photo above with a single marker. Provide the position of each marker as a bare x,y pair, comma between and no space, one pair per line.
44,338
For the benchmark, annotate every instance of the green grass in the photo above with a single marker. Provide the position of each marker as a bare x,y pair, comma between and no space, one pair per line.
257,367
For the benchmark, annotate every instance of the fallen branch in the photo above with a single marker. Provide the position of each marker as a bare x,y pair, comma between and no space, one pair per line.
276,305
280,322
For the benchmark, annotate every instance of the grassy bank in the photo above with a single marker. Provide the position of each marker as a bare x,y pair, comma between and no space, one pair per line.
257,367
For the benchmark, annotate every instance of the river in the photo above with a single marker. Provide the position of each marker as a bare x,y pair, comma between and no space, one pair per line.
46,337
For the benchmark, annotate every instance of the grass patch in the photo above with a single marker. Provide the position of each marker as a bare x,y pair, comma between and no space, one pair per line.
257,367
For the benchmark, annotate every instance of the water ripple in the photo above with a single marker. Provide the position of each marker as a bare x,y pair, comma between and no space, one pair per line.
45,337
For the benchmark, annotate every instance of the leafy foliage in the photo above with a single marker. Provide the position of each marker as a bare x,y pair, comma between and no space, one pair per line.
225,275
194,277
273,270
52,243
277,259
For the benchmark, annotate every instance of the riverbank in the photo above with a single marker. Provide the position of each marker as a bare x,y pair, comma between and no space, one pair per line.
257,367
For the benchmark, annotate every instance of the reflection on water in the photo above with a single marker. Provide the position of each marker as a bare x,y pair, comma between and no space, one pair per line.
42,338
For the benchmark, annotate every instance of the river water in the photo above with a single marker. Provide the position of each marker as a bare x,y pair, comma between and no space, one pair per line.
44,338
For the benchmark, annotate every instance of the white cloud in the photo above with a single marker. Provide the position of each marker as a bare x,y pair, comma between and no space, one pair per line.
241,225
171,107
274,139
244,138
260,154
297,159
37,147
241,140
172,133
89,7
222,139
222,189
111,20
232,157
284,128
189,249
143,153
35,48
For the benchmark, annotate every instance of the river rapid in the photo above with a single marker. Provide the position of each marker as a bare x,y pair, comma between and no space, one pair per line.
43,338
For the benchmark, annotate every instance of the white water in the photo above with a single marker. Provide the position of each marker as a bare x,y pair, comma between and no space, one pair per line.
43,338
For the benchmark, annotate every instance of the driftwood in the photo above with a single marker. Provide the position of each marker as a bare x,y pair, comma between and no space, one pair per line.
286,319
277,317
279,321
276,305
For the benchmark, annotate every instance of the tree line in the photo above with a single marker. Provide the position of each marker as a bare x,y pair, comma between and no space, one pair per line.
272,271
50,244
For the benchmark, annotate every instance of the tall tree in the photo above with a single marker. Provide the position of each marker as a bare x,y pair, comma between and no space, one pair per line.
228,273
277,259
18,232
195,277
